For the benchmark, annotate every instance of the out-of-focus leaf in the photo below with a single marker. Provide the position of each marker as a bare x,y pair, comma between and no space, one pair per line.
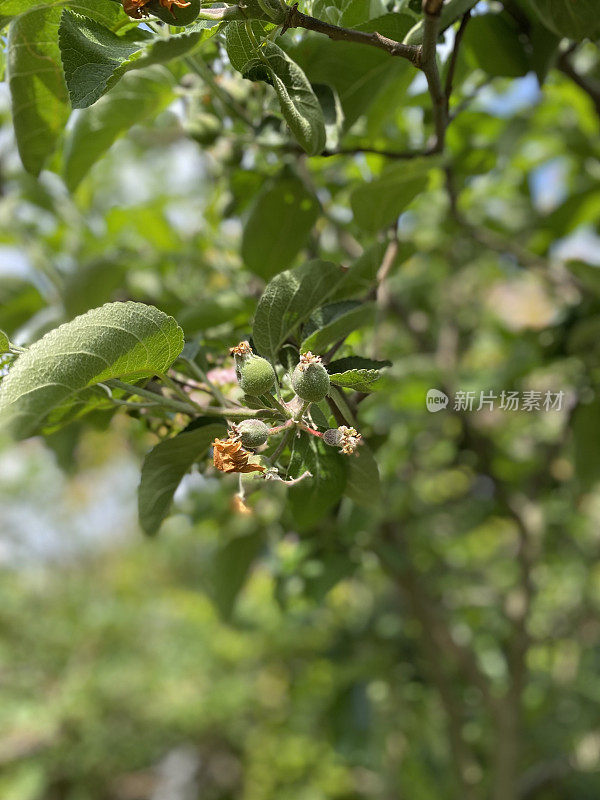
229,569
19,302
138,96
279,225
544,47
379,203
313,497
37,87
164,467
336,321
333,113
493,44
357,73
288,300
91,284
118,340
575,19
363,484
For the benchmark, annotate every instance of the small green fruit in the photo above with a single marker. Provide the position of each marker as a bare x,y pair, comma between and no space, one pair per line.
310,379
179,16
253,432
256,376
333,437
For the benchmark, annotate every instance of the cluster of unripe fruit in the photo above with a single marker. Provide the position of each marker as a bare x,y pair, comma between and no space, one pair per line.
256,376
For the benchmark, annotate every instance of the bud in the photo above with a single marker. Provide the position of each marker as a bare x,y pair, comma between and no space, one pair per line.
310,379
252,432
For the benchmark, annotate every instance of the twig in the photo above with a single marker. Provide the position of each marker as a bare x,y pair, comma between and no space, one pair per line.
208,411
454,57
172,385
428,63
296,19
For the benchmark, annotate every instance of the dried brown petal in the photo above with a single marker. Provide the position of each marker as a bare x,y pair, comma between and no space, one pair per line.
241,349
230,456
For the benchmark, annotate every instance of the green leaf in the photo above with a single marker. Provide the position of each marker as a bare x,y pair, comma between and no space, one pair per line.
37,88
91,55
4,342
164,467
92,283
94,58
240,48
336,321
176,16
288,300
575,19
544,49
229,569
279,225
297,101
118,340
333,113
137,97
19,302
348,13
357,73
312,499
105,12
492,44
354,372
363,484
377,204
451,11
360,380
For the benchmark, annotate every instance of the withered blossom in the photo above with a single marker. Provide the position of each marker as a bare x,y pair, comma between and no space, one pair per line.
241,349
137,10
308,358
230,456
350,439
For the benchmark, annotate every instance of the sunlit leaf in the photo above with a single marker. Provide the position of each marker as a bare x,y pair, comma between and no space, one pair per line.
118,340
